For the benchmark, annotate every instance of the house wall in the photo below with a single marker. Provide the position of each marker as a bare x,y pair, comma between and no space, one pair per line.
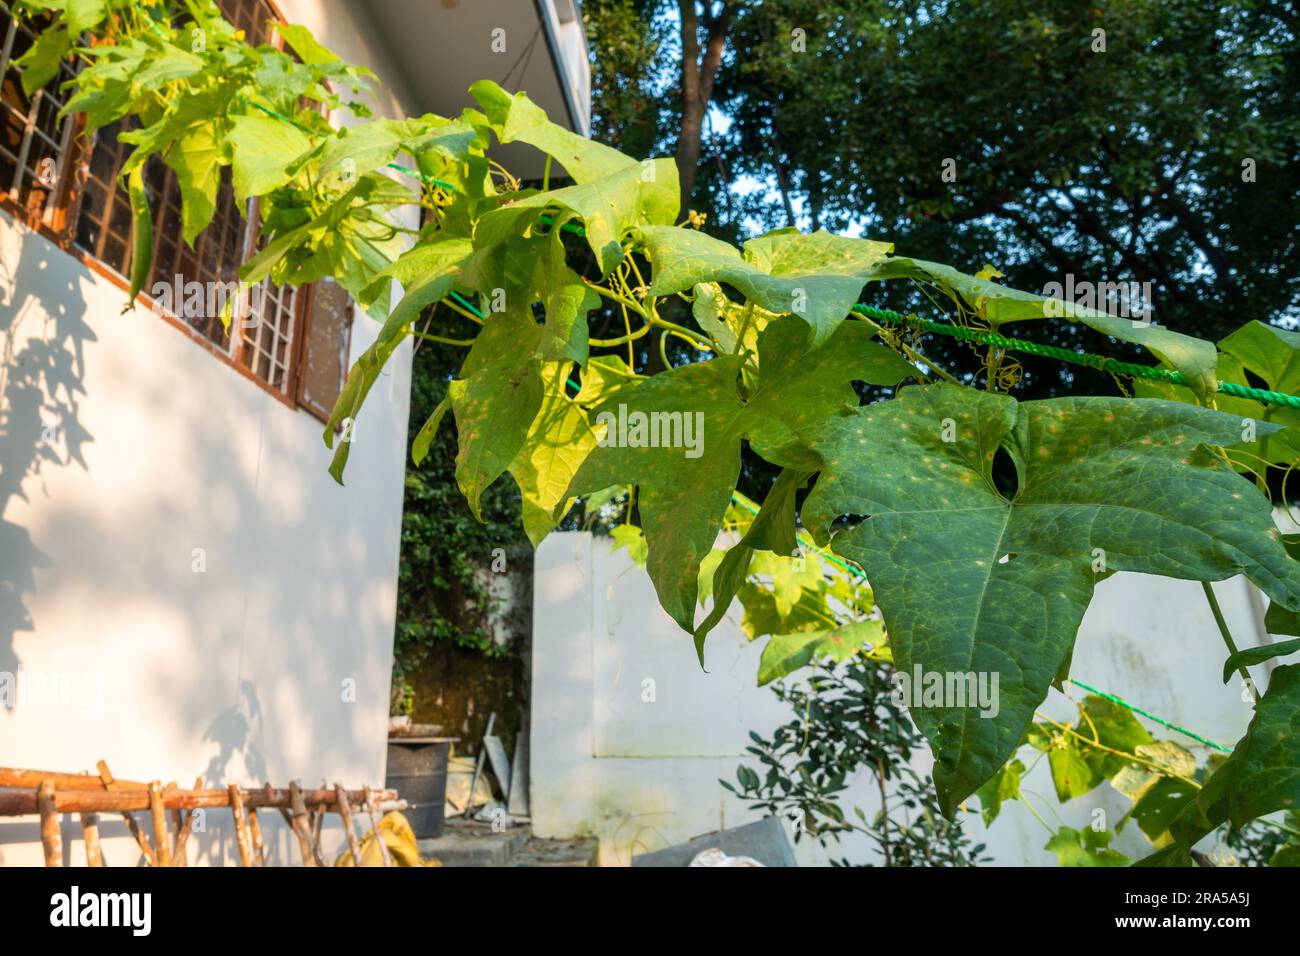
641,770
173,550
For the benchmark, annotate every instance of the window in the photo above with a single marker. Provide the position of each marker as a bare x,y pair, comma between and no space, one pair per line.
293,341
35,145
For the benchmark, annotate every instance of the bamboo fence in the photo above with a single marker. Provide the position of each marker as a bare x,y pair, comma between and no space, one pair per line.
49,794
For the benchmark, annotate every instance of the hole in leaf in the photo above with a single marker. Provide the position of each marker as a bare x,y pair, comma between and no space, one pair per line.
1005,477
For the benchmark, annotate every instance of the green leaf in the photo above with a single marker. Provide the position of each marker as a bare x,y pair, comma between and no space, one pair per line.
817,277
1072,775
40,64
424,438
1002,786
1086,847
1278,619
262,149
308,48
631,537
685,489
1158,806
609,207
501,396
1113,726
602,376
196,158
515,118
786,653
1263,773
972,581
1257,655
773,529
557,443
443,270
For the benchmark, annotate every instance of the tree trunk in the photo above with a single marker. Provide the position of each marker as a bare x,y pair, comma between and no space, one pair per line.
698,74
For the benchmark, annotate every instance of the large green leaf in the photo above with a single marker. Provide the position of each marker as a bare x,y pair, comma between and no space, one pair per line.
516,118
684,490
638,195
1263,773
558,442
442,263
499,396
973,581
817,277
262,150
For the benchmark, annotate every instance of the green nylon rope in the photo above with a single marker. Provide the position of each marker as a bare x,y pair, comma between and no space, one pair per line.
1099,362
988,338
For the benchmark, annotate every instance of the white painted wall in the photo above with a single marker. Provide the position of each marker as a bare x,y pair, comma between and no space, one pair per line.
643,775
235,674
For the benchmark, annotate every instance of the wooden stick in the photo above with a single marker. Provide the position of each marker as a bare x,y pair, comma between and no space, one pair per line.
374,827
90,833
298,822
20,803
345,811
183,831
255,831
242,839
51,839
162,845
32,779
106,779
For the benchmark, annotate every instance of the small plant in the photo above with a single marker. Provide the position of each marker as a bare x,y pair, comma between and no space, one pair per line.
403,701
847,722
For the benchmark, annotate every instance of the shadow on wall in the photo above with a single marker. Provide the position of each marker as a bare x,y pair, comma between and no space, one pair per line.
275,663
42,365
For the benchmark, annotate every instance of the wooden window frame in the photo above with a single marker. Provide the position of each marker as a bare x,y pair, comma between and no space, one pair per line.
58,220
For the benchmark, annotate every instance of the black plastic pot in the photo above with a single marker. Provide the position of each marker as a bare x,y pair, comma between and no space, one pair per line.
417,770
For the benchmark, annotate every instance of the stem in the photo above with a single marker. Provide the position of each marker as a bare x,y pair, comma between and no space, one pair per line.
912,353
463,343
622,300
1227,636
695,337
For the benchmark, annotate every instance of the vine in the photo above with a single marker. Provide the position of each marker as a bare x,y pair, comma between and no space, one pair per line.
983,523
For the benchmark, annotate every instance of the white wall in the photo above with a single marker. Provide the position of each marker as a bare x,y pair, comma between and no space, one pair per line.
643,775
157,448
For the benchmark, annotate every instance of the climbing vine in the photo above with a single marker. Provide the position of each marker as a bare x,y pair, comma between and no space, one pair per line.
982,523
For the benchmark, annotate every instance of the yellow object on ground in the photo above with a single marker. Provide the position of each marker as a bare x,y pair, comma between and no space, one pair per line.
400,839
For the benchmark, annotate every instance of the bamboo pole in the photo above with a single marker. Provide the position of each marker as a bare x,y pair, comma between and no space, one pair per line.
298,822
255,831
90,833
241,827
374,827
19,803
107,781
51,839
157,813
345,811
32,779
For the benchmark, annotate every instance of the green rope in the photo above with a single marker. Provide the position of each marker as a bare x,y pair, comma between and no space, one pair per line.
1099,362
1159,720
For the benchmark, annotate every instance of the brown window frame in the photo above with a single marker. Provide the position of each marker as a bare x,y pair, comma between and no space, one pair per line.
58,220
